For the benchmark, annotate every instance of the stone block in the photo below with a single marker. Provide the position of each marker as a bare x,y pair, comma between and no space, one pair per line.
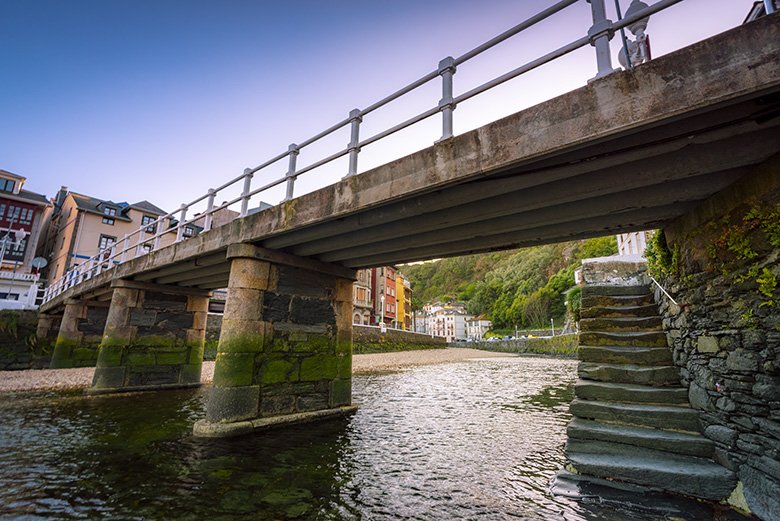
344,363
721,434
142,317
152,375
178,357
140,359
108,378
319,367
234,369
707,344
164,302
244,304
249,274
229,404
311,311
276,307
234,342
699,398
276,405
174,320
742,360
197,304
341,392
190,373
279,371
312,402
110,355
304,283
199,320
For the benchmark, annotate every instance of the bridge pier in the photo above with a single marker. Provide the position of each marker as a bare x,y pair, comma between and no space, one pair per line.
153,339
79,335
285,349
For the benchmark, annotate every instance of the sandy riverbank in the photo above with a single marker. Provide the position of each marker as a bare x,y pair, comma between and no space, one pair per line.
39,379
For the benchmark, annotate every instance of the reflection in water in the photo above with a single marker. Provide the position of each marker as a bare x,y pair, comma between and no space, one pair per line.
473,440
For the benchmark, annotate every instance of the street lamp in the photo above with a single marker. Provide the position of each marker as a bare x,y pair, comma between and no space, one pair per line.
638,50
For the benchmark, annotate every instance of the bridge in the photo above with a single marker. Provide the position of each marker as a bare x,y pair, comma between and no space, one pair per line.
631,150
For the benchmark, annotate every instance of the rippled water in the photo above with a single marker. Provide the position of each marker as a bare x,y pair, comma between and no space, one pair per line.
473,440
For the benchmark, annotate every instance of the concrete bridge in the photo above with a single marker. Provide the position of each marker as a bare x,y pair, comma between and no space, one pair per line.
632,150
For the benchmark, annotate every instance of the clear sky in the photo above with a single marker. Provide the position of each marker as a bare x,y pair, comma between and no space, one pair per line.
162,99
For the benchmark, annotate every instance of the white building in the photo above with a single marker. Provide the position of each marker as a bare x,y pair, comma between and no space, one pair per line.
477,327
446,320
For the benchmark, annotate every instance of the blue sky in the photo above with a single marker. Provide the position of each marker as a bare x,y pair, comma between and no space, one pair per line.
160,100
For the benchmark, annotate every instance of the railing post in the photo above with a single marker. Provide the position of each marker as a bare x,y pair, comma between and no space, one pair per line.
293,152
139,245
182,218
356,118
158,233
125,247
209,207
245,194
600,34
446,71
769,6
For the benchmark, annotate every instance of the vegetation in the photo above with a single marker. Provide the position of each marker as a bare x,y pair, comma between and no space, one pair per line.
523,288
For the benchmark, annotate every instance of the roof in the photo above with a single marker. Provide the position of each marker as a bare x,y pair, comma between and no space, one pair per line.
94,205
17,176
25,195
146,206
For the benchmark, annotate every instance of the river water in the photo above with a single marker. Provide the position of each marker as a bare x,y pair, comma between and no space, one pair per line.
480,439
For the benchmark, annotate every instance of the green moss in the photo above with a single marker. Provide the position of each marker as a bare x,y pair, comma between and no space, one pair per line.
172,357
279,371
140,359
662,261
340,392
234,369
190,373
245,343
110,355
344,364
319,367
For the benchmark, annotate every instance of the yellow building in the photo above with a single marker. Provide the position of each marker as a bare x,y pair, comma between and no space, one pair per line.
81,226
403,295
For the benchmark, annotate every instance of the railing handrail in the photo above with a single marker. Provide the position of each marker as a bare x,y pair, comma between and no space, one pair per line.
598,35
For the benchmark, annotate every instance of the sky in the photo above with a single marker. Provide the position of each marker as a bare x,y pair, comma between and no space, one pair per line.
163,99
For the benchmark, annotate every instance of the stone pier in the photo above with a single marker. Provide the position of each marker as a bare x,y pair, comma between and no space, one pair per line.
47,329
80,333
285,350
153,338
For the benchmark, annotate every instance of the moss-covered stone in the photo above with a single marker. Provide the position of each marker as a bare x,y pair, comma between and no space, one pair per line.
172,357
341,392
319,367
278,371
234,369
190,373
344,364
140,358
243,343
110,355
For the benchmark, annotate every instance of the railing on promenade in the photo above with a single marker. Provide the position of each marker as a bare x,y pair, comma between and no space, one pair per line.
149,237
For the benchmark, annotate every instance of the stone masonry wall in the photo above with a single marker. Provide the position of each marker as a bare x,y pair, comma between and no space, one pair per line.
564,346
370,339
18,348
78,347
722,269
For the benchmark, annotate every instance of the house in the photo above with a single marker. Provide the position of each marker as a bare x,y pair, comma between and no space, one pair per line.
476,327
362,303
444,319
81,226
382,296
22,214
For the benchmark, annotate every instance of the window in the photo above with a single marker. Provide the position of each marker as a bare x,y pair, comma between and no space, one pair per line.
17,214
148,219
189,231
6,185
106,242
9,296
108,215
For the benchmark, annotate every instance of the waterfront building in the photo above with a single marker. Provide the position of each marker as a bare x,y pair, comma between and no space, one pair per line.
362,303
80,226
22,214
476,327
444,319
403,291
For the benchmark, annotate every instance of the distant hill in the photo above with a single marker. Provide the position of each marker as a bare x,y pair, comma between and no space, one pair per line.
512,288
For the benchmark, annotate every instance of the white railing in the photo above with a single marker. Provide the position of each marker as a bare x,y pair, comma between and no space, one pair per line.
137,243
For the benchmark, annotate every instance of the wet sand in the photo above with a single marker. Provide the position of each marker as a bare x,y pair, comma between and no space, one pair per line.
43,379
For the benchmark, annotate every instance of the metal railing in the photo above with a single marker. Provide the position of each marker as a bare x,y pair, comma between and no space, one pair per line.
139,242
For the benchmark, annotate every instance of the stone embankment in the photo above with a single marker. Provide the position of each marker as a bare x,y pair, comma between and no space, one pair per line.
564,346
33,380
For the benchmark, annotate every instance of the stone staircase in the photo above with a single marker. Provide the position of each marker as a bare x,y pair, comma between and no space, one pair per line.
632,422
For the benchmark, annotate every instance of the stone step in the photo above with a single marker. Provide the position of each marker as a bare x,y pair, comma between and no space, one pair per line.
665,417
668,441
626,355
589,301
621,324
655,375
632,393
614,291
625,338
644,310
677,473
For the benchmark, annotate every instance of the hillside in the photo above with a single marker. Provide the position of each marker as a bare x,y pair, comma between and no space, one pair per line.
518,287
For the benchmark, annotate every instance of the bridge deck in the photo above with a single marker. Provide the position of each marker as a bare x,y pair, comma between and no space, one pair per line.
630,151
